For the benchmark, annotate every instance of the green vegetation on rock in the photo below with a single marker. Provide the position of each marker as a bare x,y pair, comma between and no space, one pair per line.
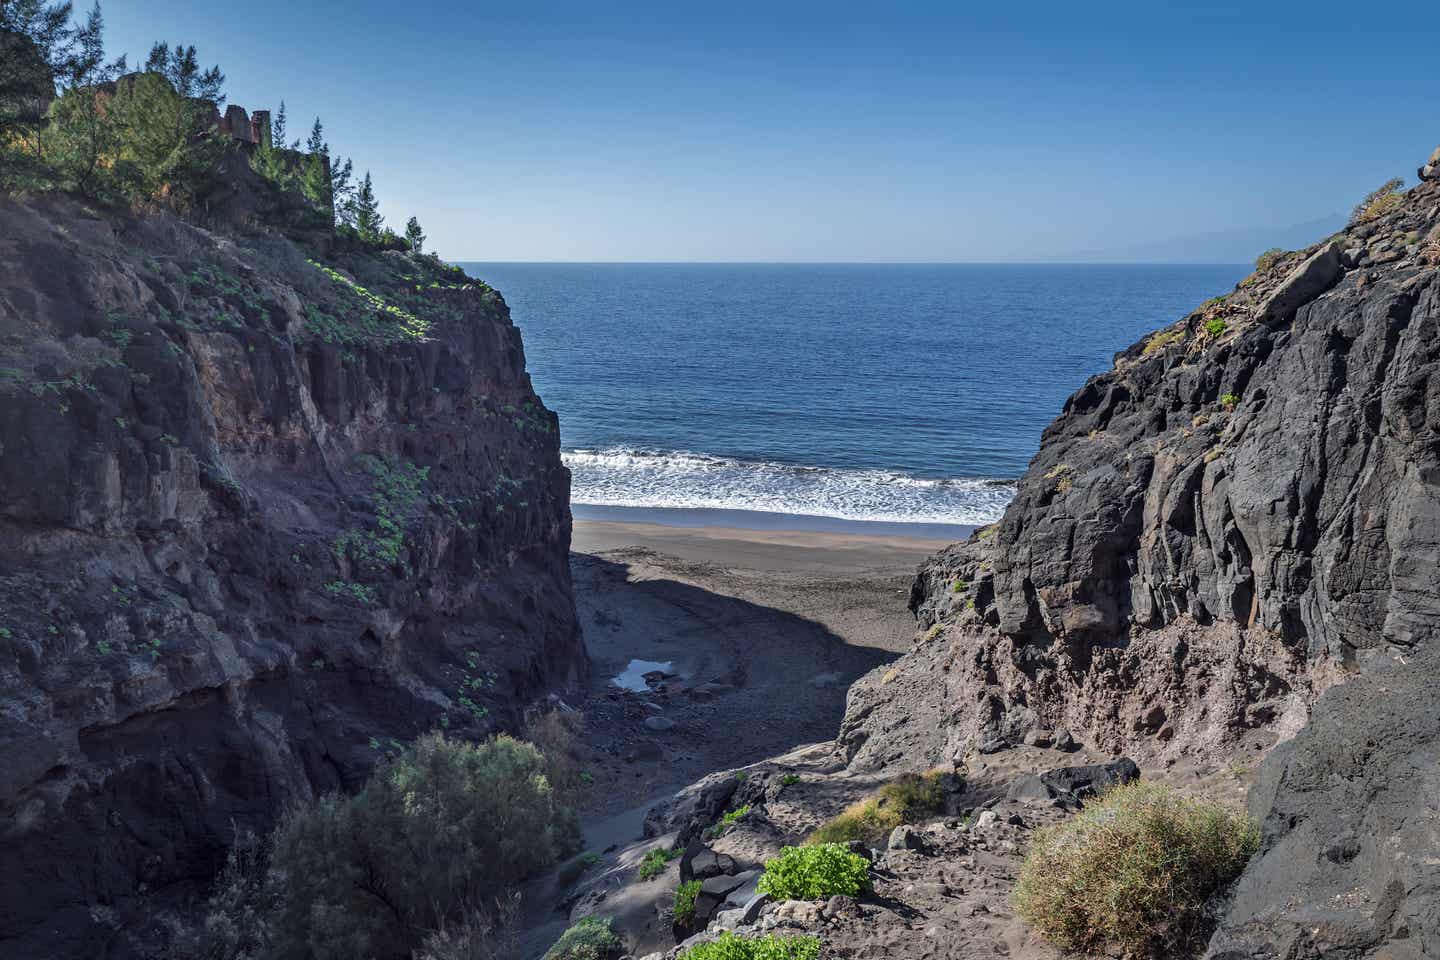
1132,870
1378,202
815,871
906,799
590,939
1269,258
732,947
655,862
686,894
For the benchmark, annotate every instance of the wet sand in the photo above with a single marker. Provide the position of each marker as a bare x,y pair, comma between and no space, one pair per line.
793,551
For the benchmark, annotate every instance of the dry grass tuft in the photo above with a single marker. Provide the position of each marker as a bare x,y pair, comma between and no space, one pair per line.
1132,870
910,797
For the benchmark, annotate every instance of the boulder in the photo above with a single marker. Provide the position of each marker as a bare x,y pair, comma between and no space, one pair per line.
1431,170
1308,281
659,724
905,838
1082,782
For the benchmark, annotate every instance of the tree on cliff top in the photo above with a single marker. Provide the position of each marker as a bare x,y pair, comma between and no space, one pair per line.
368,221
36,46
414,235
81,133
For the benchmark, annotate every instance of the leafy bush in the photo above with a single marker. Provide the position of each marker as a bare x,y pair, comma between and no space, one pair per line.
1378,202
1215,326
655,862
1269,258
685,896
1133,869
446,826
727,820
731,947
906,799
816,871
590,939
1228,400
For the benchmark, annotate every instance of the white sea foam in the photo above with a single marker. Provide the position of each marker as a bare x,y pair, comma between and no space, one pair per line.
625,477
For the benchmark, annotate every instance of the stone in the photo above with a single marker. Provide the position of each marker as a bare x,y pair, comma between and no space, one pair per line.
1029,787
1431,170
905,838
987,819
1065,740
839,906
703,862
721,885
1086,781
1309,280
747,891
659,724
1039,738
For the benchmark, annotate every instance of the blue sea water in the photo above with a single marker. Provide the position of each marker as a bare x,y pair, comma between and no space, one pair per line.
897,392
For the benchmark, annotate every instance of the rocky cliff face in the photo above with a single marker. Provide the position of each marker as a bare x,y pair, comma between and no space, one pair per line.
1242,514
261,520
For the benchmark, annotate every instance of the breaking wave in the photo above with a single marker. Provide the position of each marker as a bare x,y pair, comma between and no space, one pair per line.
627,477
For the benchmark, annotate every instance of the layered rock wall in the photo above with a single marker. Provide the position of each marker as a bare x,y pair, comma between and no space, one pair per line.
262,521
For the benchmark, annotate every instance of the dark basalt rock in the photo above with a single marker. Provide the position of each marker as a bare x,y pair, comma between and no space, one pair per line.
240,561
1239,517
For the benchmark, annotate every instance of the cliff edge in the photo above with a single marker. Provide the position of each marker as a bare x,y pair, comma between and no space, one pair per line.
1228,541
265,514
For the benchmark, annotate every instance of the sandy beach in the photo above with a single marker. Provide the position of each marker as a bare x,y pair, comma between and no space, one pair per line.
749,639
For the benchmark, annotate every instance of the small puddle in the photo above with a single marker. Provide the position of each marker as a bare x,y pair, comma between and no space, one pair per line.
633,679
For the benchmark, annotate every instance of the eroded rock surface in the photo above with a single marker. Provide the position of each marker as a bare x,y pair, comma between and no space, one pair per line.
262,520
1228,541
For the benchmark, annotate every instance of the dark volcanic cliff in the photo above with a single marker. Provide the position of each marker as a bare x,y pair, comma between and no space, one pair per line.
1229,540
261,520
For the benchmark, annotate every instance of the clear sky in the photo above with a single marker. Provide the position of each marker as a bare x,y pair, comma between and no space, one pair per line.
528,130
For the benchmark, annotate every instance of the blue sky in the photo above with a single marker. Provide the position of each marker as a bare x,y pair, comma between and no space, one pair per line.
822,132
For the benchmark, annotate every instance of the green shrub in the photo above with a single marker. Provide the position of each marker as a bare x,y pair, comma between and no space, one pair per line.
448,823
655,862
905,799
1269,258
731,947
685,896
790,779
815,871
727,820
1134,869
590,939
1229,400
1215,326
1378,202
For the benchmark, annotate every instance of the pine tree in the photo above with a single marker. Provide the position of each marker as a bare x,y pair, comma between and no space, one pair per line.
368,221
36,47
342,192
276,134
414,236
314,181
83,133
316,143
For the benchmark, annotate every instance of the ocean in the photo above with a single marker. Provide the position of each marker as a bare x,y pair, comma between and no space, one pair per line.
895,396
